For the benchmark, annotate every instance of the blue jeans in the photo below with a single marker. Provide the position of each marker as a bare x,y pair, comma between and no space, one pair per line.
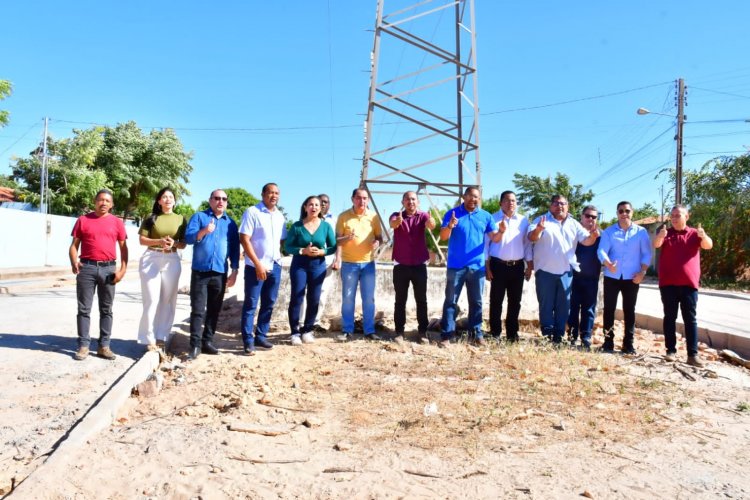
92,278
305,272
553,294
362,274
686,299
582,308
266,290
454,283
206,297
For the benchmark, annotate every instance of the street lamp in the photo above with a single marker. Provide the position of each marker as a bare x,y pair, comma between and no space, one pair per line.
678,137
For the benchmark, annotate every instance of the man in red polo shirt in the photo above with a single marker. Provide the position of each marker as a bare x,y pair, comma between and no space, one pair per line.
679,275
97,234
410,255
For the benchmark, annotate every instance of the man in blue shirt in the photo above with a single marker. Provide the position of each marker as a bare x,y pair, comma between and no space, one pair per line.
464,228
585,287
555,236
214,237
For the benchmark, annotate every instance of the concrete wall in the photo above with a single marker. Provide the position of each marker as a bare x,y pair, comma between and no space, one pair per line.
32,239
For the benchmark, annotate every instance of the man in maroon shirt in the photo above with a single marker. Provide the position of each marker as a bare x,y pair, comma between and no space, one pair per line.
97,234
679,274
410,255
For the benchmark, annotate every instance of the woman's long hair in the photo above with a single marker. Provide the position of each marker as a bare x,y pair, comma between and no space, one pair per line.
156,209
303,212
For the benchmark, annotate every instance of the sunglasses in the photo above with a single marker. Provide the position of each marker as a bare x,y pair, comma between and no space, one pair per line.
220,198
590,216
560,203
623,211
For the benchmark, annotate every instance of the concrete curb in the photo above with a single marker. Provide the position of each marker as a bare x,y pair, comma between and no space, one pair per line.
714,339
36,272
97,418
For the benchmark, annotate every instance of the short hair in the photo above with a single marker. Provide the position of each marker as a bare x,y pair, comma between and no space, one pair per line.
680,206
266,186
589,207
403,196
624,203
556,197
354,193
506,193
104,191
469,188
321,195
212,192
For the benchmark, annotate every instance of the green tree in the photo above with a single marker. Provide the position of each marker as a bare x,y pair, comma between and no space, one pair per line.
138,165
72,179
718,195
5,90
184,209
239,200
534,193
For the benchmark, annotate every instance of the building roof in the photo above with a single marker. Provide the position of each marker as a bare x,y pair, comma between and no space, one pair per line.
7,194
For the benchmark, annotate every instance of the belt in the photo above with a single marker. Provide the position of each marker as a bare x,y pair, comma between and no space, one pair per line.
171,250
99,263
509,263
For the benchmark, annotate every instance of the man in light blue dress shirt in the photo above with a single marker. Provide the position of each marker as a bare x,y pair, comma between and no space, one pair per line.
625,251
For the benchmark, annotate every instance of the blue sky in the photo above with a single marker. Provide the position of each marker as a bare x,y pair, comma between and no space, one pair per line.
277,91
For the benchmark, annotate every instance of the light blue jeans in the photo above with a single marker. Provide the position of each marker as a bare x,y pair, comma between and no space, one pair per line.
553,294
454,283
362,274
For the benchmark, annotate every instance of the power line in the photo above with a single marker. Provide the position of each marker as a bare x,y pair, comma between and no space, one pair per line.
719,92
20,138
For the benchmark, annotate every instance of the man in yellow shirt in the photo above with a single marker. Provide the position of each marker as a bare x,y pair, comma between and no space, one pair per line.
358,235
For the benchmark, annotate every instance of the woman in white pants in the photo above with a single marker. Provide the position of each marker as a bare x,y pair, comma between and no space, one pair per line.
163,232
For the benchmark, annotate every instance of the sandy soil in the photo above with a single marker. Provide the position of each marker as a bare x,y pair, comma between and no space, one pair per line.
387,420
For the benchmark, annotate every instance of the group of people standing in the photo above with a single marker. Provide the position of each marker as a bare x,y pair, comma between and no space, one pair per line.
565,255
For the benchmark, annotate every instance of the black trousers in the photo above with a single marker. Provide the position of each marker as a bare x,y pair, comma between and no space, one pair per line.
417,276
629,290
506,279
206,297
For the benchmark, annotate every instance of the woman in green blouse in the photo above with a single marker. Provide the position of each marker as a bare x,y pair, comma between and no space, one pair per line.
309,240
163,232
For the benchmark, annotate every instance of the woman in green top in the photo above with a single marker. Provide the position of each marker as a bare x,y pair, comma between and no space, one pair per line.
163,232
309,240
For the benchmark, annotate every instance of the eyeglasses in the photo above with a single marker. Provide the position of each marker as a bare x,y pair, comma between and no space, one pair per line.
560,203
623,211
590,216
220,198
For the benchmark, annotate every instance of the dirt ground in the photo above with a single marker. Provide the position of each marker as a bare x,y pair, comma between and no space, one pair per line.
387,420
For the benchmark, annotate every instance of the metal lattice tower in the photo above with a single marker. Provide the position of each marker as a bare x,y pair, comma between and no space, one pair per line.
422,126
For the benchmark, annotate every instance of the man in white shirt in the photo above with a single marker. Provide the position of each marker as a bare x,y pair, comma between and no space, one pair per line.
262,233
505,266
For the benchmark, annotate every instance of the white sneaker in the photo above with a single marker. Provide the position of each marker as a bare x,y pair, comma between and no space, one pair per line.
296,340
308,338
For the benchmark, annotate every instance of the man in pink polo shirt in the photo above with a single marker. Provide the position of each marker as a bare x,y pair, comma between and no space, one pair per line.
410,255
679,275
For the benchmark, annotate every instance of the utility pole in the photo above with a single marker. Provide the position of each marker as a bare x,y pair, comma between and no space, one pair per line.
680,123
44,177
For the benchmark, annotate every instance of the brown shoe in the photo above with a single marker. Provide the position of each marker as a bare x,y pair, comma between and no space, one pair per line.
106,353
480,342
82,353
695,361
670,357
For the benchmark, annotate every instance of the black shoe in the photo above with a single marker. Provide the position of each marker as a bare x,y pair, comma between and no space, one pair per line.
194,352
608,345
511,339
374,337
209,348
262,342
629,350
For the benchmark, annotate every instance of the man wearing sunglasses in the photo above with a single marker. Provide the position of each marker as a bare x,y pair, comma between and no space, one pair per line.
555,236
214,237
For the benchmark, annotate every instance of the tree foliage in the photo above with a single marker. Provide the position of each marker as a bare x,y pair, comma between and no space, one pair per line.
121,158
534,193
718,195
5,90
239,200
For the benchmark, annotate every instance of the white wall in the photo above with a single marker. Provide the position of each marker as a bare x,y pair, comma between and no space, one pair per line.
31,239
